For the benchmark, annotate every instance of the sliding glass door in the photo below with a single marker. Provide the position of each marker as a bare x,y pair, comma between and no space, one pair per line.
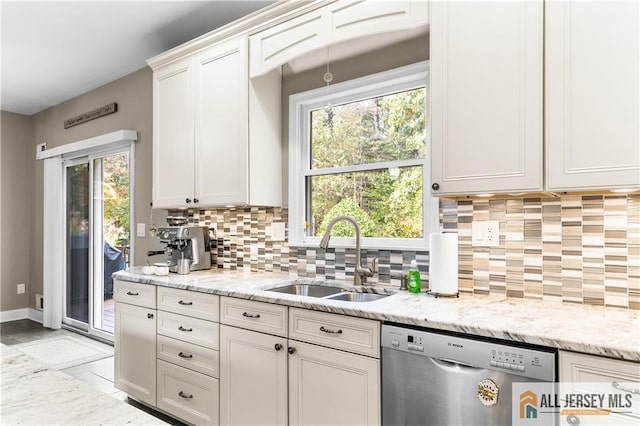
98,239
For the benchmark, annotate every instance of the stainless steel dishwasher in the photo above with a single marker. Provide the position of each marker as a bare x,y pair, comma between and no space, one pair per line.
431,378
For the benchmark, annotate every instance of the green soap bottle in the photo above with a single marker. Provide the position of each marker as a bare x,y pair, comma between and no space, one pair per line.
413,278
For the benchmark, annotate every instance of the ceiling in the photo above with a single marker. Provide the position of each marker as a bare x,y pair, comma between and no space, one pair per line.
52,51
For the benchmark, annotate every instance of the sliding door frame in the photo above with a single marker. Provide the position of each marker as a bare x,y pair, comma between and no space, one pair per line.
96,266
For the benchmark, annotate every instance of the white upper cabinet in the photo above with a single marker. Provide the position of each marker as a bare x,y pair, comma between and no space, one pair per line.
592,55
221,109
331,24
173,131
216,134
486,88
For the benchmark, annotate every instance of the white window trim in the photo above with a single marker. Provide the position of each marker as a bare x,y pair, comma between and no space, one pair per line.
301,104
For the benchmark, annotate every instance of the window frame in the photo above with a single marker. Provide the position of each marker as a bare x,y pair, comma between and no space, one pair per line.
300,106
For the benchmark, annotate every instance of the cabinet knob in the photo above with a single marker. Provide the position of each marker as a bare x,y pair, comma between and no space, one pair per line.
277,347
291,350
187,200
435,186
195,200
150,316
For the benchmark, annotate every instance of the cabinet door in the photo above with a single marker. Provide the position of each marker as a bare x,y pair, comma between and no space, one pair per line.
276,45
591,96
253,378
331,387
486,85
593,375
135,352
221,161
354,19
173,135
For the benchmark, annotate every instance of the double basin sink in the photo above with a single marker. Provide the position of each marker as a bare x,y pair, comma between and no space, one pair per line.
327,292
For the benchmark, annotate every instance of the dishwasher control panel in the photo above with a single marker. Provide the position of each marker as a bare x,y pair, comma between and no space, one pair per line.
537,364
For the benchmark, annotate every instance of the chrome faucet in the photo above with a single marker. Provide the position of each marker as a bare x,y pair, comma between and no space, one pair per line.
360,274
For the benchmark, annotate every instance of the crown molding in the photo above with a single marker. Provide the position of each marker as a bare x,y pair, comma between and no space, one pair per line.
253,23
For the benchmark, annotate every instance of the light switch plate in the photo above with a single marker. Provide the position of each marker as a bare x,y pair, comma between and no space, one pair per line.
140,230
21,288
485,233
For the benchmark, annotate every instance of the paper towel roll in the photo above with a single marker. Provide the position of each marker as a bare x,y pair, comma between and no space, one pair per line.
443,263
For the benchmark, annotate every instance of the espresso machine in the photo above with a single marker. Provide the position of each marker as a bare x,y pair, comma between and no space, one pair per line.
186,242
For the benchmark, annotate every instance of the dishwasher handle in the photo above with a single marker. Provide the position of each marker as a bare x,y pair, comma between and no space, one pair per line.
448,363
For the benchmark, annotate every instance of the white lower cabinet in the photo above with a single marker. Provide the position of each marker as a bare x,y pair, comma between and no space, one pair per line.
332,387
288,381
594,375
135,349
253,378
188,395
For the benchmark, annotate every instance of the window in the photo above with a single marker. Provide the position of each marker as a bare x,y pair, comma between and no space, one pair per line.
359,149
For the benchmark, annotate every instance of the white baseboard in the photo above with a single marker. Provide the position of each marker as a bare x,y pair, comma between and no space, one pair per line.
35,315
18,314
13,315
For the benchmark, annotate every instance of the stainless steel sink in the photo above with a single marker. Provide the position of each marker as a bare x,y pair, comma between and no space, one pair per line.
308,290
357,297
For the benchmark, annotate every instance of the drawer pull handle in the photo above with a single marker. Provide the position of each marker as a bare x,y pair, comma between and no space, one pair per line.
181,328
247,315
183,303
182,355
329,331
130,293
184,395
617,385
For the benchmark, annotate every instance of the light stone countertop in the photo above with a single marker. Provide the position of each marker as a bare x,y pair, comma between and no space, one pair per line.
612,332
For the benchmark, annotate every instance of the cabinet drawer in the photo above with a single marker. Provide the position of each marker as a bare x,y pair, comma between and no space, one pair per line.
188,329
335,331
258,316
135,293
589,374
188,355
188,395
200,305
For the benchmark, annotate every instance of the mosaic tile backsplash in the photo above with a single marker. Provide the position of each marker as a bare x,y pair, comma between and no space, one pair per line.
581,249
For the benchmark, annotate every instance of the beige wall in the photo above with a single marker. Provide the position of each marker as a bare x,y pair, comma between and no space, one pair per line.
394,56
133,94
16,136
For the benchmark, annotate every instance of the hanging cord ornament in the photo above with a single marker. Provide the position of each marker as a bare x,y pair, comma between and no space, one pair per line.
328,78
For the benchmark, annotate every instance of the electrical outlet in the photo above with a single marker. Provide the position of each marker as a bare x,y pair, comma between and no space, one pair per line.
39,302
485,233
140,230
277,231
21,288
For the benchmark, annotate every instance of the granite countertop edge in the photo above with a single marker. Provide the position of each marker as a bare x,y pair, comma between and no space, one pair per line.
610,332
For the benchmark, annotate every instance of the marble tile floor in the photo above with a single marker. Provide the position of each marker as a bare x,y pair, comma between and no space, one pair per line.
98,374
